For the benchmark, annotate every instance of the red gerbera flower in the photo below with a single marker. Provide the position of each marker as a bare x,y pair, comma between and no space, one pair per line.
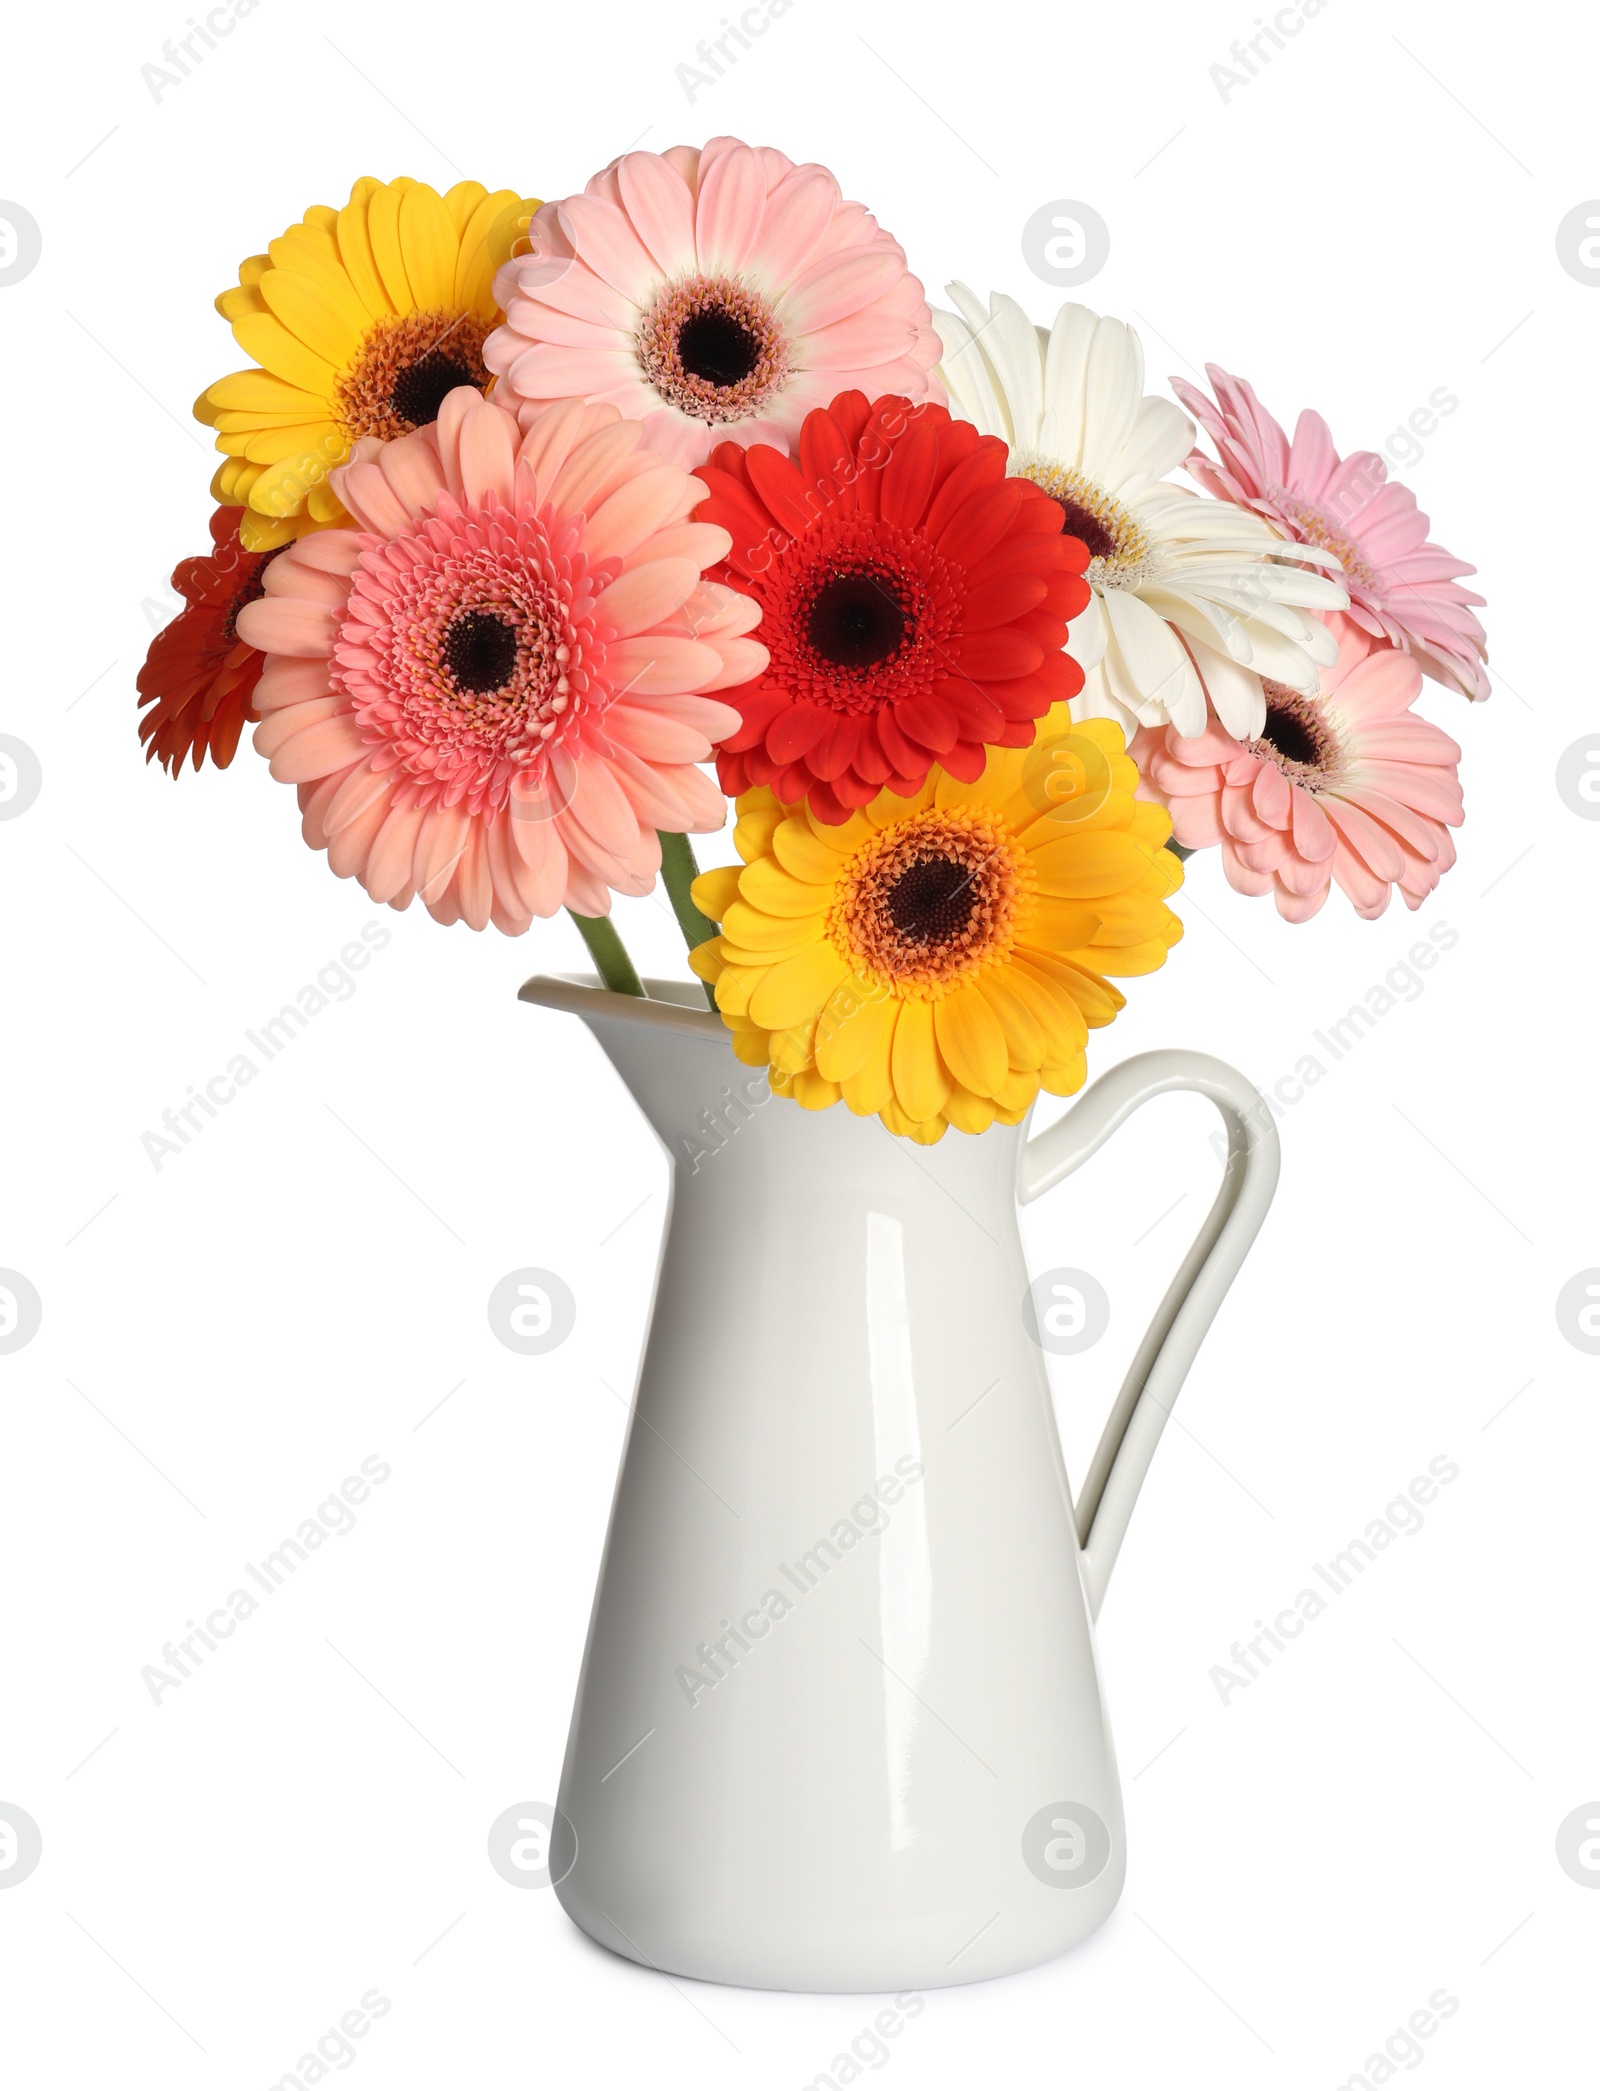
199,675
914,602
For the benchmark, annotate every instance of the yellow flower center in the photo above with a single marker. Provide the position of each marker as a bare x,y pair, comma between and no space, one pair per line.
929,902
1120,552
1321,530
404,369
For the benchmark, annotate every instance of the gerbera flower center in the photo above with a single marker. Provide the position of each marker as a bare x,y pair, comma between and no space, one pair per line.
859,614
469,651
856,620
1298,738
932,900
419,391
251,590
405,368
1320,529
718,347
712,347
1120,552
480,651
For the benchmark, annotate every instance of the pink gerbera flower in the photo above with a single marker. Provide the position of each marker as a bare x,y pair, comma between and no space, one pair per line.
493,693
1402,588
715,295
1348,787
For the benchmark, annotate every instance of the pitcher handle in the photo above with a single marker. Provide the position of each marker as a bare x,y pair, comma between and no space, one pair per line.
1249,1178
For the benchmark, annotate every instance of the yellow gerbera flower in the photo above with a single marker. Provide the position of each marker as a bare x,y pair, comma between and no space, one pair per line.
940,959
360,321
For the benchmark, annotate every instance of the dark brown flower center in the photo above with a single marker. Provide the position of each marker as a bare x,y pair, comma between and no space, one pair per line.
1290,736
717,346
251,589
1078,521
933,900
712,347
406,367
1297,737
480,651
1120,552
856,620
420,390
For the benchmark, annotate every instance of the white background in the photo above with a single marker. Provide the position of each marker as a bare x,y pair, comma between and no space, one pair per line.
225,1339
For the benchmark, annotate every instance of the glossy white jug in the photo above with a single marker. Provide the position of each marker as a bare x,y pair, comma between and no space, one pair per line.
839,1724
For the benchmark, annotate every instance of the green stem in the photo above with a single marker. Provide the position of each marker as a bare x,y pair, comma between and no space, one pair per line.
678,873
609,953
1178,849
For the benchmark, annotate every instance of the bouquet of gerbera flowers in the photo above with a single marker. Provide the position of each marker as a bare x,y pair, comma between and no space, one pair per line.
530,513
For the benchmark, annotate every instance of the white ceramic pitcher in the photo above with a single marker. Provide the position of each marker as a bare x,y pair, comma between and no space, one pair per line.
839,1724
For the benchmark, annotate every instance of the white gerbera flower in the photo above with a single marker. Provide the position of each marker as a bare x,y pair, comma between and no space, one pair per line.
1190,596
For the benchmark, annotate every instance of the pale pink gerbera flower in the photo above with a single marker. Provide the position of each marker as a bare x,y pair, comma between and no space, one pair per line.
1402,588
492,694
1348,787
716,295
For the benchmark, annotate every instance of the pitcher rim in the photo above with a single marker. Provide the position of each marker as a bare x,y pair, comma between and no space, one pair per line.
666,1005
